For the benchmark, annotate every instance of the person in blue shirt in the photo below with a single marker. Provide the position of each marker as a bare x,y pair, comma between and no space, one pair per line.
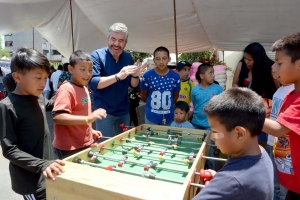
160,89
180,113
113,72
201,94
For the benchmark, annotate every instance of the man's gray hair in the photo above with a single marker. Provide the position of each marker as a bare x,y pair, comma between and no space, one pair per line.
118,28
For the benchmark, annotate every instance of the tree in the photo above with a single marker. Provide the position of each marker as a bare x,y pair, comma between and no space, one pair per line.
193,57
139,55
3,52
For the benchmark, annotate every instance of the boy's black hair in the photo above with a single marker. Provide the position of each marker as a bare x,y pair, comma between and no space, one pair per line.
161,48
65,67
60,67
238,107
79,55
201,70
26,59
290,44
182,105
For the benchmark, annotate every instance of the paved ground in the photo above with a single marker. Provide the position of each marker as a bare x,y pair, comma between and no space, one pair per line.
6,193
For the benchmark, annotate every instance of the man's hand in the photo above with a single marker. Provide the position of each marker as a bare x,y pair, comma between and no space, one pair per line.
56,168
126,71
140,70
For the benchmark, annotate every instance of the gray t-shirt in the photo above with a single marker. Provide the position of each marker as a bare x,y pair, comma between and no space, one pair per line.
185,124
245,178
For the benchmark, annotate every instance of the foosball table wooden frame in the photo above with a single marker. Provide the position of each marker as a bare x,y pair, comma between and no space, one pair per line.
81,182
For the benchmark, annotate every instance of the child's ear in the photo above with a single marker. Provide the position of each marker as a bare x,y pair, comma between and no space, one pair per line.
16,77
70,68
201,76
241,133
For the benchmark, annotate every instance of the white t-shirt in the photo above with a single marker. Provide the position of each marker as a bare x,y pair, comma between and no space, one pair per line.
277,100
54,79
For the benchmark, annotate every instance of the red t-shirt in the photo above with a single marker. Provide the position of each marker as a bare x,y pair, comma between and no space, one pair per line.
74,100
287,149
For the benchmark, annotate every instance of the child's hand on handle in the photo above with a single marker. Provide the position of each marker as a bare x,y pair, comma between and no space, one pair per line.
96,134
97,114
212,172
55,167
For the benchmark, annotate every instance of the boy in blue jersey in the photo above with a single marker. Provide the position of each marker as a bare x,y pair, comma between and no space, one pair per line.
160,89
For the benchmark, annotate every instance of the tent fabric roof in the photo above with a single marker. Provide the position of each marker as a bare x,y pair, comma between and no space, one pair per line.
201,24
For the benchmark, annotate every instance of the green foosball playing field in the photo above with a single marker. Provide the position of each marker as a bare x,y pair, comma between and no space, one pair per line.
147,156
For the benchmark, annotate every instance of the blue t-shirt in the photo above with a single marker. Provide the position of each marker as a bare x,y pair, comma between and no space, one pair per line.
200,97
185,124
160,98
114,98
246,178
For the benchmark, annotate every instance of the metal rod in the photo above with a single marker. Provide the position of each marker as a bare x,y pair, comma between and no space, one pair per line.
197,185
80,161
72,29
175,27
137,163
150,149
164,145
169,131
33,37
144,136
212,158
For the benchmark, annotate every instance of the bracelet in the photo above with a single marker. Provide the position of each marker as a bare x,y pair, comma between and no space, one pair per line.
134,76
117,78
86,120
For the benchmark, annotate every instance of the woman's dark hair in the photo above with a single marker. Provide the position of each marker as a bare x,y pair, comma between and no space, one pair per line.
262,80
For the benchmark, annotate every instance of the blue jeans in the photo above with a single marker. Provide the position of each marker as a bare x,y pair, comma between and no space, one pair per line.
110,126
279,191
147,121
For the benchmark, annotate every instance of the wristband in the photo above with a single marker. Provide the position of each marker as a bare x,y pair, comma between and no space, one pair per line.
86,120
134,76
117,78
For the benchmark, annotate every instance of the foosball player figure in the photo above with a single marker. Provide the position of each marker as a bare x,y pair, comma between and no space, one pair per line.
93,156
150,165
134,153
148,137
176,139
138,148
169,139
122,161
162,152
191,155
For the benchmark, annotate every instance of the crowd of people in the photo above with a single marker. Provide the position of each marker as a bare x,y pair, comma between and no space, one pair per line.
237,117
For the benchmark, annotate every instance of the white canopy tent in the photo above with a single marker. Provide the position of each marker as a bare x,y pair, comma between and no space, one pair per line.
201,24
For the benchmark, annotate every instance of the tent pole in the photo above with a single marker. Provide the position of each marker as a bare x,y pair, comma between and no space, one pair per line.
33,37
72,25
175,27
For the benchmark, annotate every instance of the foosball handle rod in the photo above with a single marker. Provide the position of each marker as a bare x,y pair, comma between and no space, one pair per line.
213,158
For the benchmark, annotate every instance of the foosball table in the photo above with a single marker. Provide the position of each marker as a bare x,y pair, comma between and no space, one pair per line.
145,162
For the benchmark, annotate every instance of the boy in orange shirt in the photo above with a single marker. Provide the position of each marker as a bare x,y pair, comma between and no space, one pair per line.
287,125
72,109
